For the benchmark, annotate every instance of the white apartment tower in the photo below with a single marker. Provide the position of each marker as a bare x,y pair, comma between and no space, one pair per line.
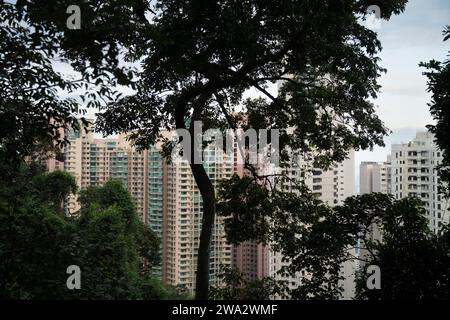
409,171
413,169
333,187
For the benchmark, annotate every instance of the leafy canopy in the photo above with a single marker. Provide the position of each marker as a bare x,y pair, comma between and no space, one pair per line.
413,260
438,74
208,53
316,240
113,249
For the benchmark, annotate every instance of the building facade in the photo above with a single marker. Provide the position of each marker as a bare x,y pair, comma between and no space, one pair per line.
94,161
165,195
332,187
414,173
182,219
375,177
410,170
250,257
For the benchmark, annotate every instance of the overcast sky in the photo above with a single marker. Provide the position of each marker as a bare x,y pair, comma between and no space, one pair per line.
407,39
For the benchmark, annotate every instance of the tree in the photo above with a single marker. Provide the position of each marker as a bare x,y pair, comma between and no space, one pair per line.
114,250
119,250
412,259
37,102
438,74
316,240
29,99
197,58
36,243
114,195
236,287
53,189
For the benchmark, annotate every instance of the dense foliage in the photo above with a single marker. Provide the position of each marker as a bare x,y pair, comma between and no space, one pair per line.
414,262
438,74
236,287
113,249
316,240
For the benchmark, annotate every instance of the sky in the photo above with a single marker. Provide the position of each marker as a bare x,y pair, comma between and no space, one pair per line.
407,39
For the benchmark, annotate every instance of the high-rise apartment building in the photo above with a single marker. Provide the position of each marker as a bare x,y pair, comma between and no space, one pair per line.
375,177
182,212
76,162
413,169
95,161
331,186
169,201
252,260
250,257
165,194
410,170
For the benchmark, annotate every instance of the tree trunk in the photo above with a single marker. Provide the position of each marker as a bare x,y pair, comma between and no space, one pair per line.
209,210
207,192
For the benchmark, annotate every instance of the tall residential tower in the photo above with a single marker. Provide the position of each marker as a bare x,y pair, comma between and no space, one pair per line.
410,171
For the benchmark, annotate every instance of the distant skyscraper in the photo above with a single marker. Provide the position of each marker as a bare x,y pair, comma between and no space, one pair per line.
375,177
157,200
333,187
182,219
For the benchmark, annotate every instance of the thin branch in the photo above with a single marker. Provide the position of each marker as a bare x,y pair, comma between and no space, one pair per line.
53,85
224,111
257,86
